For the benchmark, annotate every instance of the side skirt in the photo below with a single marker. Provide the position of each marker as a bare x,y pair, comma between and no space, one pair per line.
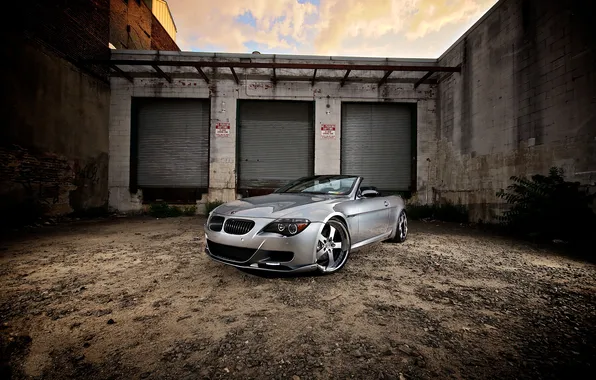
372,240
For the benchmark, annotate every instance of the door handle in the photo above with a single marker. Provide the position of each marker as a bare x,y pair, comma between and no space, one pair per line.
386,203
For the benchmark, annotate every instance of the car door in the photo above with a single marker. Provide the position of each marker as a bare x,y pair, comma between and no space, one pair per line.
373,214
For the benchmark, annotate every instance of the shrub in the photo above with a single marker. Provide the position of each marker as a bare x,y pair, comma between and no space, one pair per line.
164,210
548,207
447,212
189,210
210,206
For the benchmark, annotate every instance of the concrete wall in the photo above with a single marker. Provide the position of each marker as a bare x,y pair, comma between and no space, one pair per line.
54,135
525,101
54,140
224,93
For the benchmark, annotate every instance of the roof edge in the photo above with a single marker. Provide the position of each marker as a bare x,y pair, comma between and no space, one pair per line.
481,20
215,55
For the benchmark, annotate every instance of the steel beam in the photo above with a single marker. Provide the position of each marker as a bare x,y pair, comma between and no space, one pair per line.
384,79
202,73
161,73
279,65
234,74
124,74
314,75
343,81
274,79
425,77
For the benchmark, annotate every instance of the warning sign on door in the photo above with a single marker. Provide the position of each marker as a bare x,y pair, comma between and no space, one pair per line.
328,131
222,130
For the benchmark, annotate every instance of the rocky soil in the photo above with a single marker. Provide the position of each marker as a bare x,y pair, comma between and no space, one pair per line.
138,299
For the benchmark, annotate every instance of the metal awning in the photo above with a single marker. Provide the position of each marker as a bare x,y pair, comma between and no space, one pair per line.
275,71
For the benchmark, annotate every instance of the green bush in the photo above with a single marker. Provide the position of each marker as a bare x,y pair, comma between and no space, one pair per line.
164,210
548,207
447,212
189,210
210,206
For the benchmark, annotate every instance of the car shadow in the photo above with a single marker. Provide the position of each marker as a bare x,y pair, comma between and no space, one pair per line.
287,275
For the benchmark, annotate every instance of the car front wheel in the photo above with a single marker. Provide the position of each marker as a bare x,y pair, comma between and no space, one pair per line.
333,247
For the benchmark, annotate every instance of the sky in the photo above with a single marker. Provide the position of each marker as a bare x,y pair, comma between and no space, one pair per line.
369,28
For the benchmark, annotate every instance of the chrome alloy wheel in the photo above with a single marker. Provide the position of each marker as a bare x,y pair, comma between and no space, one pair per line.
333,246
402,226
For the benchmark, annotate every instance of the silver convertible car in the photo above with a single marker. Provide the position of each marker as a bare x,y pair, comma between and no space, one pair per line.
311,224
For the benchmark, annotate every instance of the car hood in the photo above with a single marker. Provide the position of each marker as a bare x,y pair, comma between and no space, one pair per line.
273,205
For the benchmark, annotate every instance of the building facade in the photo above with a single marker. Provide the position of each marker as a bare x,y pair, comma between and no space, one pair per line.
142,25
55,107
514,96
185,131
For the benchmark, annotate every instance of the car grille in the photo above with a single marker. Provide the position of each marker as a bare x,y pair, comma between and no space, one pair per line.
238,226
230,252
215,223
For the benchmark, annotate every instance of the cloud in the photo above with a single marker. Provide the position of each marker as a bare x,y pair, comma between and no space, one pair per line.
215,23
330,27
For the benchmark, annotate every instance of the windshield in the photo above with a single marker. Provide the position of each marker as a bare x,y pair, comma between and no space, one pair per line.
324,184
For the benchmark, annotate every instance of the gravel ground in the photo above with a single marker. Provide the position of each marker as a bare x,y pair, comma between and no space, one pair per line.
138,298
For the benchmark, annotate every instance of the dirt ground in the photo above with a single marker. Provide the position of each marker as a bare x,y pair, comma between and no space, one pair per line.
138,298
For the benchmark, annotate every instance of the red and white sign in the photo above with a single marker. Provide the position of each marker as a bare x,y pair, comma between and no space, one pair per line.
328,131
222,130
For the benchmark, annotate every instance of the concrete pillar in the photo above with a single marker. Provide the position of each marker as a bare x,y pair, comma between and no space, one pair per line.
120,197
222,155
327,140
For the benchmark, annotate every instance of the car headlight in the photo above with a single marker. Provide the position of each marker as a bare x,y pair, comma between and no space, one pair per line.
287,227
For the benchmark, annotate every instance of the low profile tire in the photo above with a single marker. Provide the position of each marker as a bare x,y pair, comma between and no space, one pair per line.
401,229
333,247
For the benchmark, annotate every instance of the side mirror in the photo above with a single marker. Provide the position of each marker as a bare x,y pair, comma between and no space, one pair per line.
370,193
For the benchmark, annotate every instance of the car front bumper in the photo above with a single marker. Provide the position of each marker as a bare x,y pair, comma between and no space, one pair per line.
263,251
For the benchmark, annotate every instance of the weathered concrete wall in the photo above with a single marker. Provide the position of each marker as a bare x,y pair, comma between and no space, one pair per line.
525,101
54,139
224,93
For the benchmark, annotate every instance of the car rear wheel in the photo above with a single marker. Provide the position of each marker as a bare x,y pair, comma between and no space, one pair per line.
401,232
333,247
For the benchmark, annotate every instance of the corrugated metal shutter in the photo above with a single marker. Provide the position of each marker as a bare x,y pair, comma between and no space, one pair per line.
376,144
276,142
173,143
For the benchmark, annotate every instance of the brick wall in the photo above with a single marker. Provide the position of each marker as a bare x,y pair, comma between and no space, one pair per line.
525,101
160,39
130,24
75,30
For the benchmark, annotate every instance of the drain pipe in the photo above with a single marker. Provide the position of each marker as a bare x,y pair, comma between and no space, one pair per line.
427,179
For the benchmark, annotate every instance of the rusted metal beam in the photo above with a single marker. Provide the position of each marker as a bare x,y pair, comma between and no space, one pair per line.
314,75
343,81
425,77
234,74
202,73
124,74
274,79
384,79
161,73
279,65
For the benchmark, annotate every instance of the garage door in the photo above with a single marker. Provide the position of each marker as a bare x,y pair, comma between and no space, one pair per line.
376,143
173,143
276,142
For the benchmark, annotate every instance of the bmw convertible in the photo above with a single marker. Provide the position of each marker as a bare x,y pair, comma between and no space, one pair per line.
311,224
